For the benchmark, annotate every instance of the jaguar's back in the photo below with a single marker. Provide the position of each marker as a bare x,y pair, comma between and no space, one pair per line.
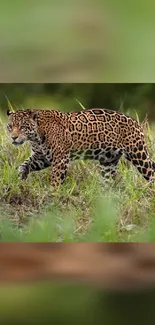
99,128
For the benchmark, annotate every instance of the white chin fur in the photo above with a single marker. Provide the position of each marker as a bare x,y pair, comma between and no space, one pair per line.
18,143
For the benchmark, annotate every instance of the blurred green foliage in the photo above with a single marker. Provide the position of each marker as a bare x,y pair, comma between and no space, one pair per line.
61,303
70,41
125,97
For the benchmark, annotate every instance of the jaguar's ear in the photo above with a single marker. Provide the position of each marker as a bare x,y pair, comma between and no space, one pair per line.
34,115
8,112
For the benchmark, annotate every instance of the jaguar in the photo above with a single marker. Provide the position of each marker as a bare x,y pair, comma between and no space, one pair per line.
56,138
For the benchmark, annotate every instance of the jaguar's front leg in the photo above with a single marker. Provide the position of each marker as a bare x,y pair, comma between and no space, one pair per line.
59,168
34,163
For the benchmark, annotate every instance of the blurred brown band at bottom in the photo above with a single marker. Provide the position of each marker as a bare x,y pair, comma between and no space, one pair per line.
110,266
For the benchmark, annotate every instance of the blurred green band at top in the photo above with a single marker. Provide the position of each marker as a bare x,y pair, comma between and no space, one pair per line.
77,41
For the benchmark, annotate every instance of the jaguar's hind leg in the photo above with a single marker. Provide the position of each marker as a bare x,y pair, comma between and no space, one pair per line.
141,160
109,167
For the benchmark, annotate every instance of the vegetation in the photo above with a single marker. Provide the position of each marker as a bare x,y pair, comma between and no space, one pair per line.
81,210
46,302
78,42
127,97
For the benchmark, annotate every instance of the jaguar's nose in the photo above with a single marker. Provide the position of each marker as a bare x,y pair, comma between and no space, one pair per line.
14,137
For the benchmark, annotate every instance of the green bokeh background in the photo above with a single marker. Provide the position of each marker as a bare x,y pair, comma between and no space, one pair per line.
130,98
70,41
61,303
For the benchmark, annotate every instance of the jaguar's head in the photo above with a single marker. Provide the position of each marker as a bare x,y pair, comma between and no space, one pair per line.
22,126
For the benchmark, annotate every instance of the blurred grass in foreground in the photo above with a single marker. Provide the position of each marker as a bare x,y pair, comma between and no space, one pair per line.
46,303
75,304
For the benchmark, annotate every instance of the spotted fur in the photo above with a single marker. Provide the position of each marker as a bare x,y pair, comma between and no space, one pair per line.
57,138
